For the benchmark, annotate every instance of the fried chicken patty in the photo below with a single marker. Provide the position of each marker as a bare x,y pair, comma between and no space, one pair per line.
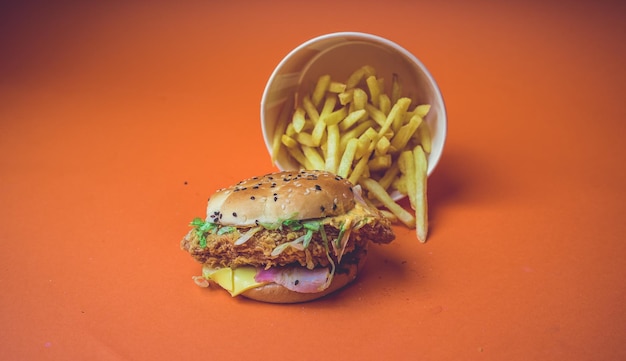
220,250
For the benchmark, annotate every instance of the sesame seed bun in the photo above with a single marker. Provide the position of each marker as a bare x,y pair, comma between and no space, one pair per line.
297,195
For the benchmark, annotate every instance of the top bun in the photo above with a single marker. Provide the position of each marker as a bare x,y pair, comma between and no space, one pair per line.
296,195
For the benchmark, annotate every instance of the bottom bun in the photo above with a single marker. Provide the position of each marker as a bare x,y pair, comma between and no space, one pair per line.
275,293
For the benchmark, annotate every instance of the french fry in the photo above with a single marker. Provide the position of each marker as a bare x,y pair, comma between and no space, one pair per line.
383,197
329,104
346,159
359,170
313,156
389,215
375,113
407,167
332,149
424,137
365,140
352,119
336,87
319,92
401,138
310,109
373,86
384,103
397,113
421,203
298,119
346,97
355,78
400,184
335,117
422,110
359,98
317,134
379,163
288,141
355,133
297,154
383,145
390,175
306,139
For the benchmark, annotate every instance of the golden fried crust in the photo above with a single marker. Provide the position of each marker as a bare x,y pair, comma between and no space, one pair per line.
220,250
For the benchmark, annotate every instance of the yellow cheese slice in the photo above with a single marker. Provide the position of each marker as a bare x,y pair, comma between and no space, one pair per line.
235,281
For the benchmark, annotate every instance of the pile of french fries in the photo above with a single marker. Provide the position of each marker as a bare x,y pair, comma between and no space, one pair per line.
359,131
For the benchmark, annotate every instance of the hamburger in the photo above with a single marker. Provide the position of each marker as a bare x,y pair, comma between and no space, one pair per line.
285,237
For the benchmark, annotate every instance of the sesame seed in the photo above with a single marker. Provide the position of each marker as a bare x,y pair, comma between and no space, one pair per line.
252,198
234,214
318,187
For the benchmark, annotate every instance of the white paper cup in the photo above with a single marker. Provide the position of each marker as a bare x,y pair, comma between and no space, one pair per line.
340,54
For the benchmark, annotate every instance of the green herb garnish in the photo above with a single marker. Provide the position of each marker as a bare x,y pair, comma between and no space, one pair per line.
312,225
293,224
202,227
271,226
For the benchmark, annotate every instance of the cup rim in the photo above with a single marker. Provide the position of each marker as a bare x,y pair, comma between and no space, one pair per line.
442,120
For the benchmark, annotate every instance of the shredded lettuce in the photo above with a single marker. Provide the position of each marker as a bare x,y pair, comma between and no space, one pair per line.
296,243
293,224
308,236
203,228
225,230
330,259
246,236
271,226
342,230
314,225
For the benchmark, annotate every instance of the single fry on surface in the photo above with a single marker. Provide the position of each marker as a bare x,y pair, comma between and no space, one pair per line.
421,203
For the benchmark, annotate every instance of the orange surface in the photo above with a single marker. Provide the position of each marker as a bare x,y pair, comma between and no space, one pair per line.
117,122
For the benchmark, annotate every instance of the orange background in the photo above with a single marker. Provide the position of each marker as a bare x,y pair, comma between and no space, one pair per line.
118,120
